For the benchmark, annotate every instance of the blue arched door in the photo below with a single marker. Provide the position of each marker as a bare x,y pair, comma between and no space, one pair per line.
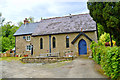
82,46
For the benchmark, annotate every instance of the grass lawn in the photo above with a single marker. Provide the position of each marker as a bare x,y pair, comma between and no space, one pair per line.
9,59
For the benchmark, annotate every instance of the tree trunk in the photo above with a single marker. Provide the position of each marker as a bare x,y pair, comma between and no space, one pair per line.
111,40
97,31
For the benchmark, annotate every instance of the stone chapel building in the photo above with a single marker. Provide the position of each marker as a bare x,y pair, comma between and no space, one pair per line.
68,34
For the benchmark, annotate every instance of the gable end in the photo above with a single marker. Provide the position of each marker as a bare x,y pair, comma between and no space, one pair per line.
81,33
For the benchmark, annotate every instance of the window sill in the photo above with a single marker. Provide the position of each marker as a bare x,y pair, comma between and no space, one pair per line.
28,40
28,50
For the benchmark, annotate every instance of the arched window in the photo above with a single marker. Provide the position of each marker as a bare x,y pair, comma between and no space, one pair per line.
41,43
67,42
54,42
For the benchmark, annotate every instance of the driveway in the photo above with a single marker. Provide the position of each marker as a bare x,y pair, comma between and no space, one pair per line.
78,68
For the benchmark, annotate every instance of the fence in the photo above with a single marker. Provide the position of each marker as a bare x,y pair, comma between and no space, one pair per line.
6,54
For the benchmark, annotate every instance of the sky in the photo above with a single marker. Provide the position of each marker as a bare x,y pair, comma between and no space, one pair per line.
18,10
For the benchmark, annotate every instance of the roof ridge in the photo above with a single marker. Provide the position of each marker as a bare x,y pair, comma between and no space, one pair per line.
65,16
32,23
62,25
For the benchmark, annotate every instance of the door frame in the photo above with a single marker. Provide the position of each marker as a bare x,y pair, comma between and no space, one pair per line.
31,49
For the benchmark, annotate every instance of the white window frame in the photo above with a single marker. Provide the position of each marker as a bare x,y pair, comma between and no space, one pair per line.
28,48
28,38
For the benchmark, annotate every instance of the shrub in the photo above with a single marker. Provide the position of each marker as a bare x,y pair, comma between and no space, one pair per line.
108,58
107,44
110,61
96,50
114,43
104,38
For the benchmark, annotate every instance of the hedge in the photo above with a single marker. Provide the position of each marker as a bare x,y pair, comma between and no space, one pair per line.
108,58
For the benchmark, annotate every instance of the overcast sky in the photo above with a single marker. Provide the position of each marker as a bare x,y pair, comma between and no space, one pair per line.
17,10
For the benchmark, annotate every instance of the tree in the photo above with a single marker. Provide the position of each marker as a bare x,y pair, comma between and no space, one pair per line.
30,19
1,23
8,40
108,15
104,38
100,30
5,44
1,19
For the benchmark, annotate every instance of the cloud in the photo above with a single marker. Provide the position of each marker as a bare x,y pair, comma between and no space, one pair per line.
17,10
71,0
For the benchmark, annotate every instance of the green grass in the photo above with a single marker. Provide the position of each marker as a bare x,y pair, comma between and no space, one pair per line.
9,59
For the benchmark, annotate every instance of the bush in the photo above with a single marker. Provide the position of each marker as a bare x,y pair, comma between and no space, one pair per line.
108,58
114,43
107,44
104,38
110,61
96,50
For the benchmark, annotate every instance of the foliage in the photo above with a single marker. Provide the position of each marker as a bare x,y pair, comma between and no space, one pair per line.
107,14
114,43
1,19
8,40
0,44
111,58
100,30
20,23
108,58
96,50
30,19
104,38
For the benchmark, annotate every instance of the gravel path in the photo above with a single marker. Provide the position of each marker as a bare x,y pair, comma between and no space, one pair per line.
78,68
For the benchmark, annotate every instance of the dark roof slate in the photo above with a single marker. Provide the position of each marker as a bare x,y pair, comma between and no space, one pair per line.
66,24
26,29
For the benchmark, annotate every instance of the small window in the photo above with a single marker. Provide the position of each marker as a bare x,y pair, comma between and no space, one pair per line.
54,42
41,43
67,42
24,37
28,47
28,38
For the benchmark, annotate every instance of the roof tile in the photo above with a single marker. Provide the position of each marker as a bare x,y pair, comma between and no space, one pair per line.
72,23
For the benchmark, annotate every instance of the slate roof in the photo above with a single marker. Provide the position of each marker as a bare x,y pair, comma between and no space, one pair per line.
66,24
26,29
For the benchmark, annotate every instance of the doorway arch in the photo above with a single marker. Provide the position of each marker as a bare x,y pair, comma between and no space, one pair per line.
82,47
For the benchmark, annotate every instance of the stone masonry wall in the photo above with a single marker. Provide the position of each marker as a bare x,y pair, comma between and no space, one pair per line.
21,45
60,44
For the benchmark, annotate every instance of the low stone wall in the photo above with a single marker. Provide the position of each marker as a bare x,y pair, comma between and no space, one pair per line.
45,59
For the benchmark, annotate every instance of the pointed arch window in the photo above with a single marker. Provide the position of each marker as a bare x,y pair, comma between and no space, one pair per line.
41,43
67,41
54,42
